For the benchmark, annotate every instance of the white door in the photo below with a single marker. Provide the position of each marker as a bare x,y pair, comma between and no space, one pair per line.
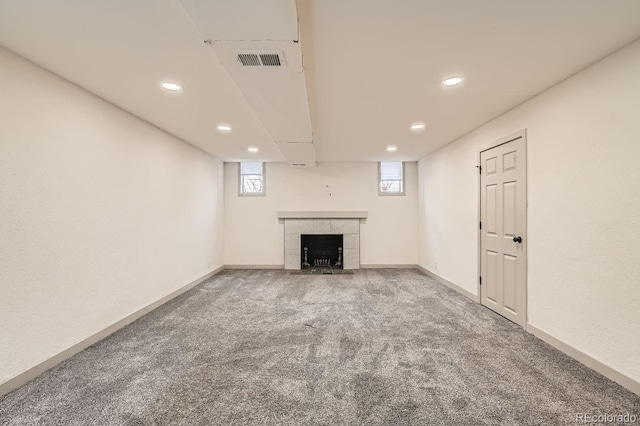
503,241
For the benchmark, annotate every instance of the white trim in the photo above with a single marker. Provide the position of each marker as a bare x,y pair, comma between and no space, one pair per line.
598,366
522,134
370,266
587,360
404,180
512,137
322,214
449,284
264,181
253,266
30,374
26,376
389,266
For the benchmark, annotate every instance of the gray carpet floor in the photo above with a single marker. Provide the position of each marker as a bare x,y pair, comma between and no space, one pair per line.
380,347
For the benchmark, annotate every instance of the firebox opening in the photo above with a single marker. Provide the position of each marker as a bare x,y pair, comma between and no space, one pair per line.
321,251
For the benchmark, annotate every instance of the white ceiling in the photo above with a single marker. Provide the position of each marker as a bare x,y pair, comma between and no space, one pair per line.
277,94
371,67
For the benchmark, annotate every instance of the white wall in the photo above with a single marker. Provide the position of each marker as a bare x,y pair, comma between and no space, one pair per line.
254,235
583,214
101,214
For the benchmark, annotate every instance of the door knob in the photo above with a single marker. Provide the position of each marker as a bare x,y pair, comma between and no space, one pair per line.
517,239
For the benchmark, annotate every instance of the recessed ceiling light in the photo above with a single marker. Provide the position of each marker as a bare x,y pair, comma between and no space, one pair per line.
392,148
452,81
252,149
174,87
417,127
224,128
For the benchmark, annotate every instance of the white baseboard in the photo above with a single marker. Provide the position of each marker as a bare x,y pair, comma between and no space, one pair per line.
587,360
35,371
449,284
253,266
388,266
26,376
567,349
365,266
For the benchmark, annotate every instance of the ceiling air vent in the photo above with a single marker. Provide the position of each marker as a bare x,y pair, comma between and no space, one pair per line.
270,60
260,58
249,59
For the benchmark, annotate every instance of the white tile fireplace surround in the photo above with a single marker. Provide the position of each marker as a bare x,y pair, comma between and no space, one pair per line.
346,223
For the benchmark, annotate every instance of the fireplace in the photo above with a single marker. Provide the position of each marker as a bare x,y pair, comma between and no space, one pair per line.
321,251
297,224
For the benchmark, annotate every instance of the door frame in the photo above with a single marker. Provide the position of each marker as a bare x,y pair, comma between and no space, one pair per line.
522,134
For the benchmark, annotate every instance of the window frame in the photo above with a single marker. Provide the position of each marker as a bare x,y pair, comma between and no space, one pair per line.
264,181
404,189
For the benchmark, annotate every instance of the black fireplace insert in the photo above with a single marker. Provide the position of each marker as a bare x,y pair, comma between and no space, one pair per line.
321,251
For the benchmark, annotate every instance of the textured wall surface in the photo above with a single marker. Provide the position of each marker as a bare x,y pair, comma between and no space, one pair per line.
388,236
101,214
583,204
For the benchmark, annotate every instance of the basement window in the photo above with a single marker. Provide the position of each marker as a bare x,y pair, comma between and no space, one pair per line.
252,179
391,178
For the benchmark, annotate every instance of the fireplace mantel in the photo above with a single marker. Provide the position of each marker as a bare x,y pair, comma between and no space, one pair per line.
323,215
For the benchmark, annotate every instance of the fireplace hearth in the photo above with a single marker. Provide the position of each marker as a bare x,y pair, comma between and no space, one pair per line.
321,251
